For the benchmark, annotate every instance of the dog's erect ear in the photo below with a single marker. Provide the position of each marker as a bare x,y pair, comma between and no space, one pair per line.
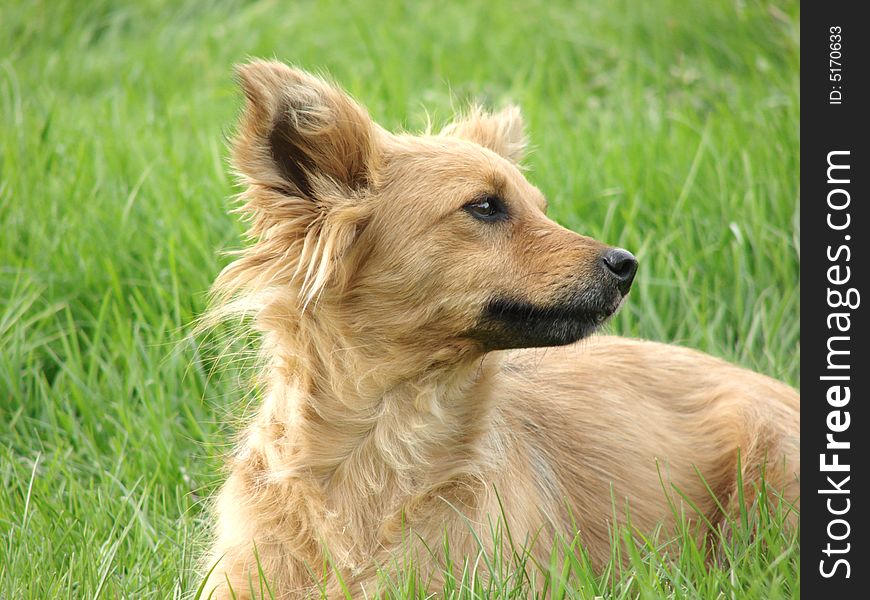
298,131
501,132
307,153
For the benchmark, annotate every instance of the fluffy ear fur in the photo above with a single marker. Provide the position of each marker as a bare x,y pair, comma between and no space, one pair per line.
307,153
501,132
297,128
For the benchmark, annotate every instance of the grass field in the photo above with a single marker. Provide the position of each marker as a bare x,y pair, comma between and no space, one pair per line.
669,128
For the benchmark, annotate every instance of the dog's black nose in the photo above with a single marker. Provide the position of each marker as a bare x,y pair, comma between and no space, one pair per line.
622,265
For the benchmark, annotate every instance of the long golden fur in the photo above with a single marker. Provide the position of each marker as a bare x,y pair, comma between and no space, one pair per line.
393,279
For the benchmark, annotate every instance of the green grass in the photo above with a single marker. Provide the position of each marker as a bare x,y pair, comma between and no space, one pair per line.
670,128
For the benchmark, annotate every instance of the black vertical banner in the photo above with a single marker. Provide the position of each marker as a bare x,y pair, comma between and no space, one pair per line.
835,367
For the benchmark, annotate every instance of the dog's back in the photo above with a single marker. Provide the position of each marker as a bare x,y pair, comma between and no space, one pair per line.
641,423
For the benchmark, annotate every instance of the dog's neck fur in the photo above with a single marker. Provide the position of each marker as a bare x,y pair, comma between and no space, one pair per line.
361,419
356,446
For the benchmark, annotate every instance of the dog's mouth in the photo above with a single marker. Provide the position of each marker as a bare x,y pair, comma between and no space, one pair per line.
508,322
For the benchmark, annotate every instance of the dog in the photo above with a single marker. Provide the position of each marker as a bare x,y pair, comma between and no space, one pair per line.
401,285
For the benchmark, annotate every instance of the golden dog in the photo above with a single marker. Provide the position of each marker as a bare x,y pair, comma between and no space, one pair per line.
390,277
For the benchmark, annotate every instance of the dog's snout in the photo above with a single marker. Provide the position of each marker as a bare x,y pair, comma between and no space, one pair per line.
621,265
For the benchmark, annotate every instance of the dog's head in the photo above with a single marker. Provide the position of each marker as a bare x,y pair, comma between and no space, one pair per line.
434,240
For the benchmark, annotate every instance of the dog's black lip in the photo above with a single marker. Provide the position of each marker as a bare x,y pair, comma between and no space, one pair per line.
510,322
514,309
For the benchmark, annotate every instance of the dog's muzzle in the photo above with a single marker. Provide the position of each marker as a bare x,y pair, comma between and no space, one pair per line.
576,312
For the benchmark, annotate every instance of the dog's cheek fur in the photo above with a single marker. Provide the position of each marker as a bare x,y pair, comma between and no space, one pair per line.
442,287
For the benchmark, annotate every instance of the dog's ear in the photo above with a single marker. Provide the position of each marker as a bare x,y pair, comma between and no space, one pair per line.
299,133
501,132
307,154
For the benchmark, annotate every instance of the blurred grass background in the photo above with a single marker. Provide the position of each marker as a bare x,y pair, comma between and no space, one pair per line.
669,128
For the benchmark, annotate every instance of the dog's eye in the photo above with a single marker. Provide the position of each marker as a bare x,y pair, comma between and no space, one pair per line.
490,208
